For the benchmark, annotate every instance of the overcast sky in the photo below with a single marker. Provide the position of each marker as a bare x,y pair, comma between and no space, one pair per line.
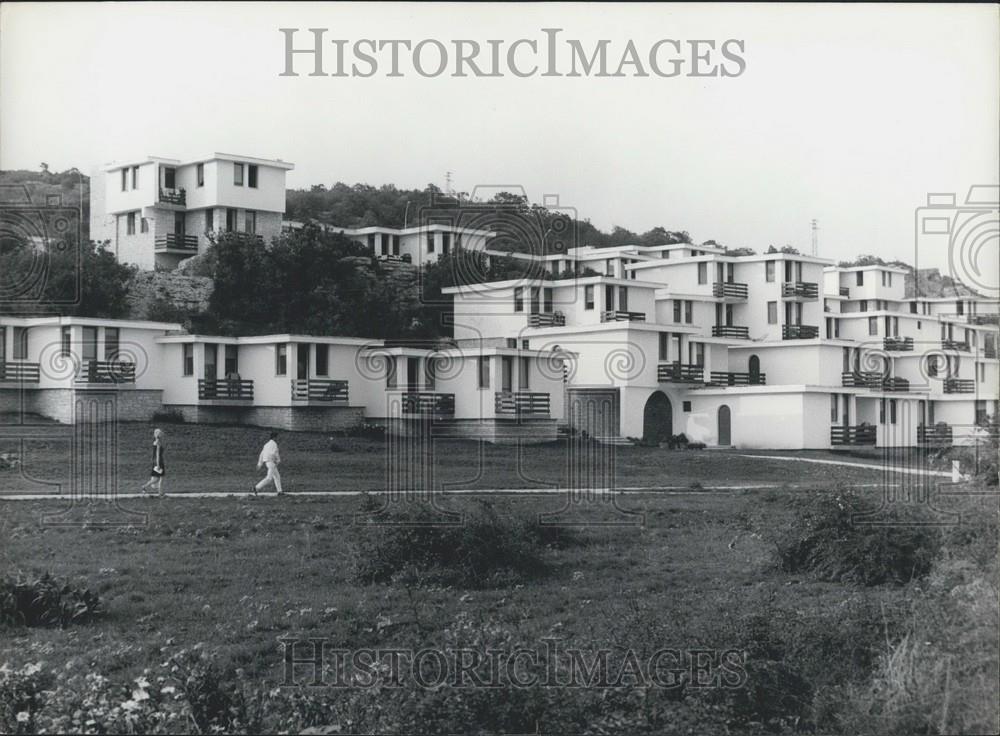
846,114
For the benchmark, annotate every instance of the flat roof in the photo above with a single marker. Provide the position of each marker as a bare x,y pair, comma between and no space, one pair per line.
273,162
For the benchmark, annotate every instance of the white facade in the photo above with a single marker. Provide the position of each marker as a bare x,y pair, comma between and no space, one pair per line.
154,212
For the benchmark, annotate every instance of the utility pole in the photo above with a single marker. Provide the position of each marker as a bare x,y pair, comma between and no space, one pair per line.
447,183
815,237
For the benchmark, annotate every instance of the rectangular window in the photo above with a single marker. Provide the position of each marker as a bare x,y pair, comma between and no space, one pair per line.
609,267
535,296
20,336
689,311
772,313
677,310
209,220
252,176
484,372
65,343
135,177
588,296
913,307
892,411
863,305
873,325
124,180
524,374
445,243
547,300
238,175
518,298
231,359
143,225
960,307
698,354
280,360
833,408
702,273
322,360
384,244
769,270
860,278
623,298
390,371
130,223
664,342
169,177
200,169
889,279
187,359
430,242
231,217
395,245
686,405
250,223
111,342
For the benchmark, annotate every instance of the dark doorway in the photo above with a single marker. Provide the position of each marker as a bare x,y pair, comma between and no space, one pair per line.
657,419
754,368
725,431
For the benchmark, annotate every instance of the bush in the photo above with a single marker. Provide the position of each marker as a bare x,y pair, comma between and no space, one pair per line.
827,540
168,416
483,548
45,601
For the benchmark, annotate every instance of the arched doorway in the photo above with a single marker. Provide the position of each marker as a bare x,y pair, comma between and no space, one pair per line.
754,369
725,431
657,419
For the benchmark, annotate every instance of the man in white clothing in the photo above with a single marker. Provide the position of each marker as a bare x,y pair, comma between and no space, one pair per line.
270,457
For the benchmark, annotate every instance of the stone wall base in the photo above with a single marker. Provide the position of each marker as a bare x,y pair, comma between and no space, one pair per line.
496,431
292,419
60,404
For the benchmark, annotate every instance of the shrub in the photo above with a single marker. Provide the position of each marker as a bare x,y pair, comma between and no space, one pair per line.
168,416
827,540
44,601
485,547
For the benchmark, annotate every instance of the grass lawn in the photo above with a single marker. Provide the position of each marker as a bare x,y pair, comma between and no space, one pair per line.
223,459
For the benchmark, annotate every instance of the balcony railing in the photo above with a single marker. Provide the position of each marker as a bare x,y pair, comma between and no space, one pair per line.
428,403
862,434
955,345
405,258
547,319
845,291
892,383
19,370
106,371
874,381
728,378
799,332
983,319
173,196
934,434
990,351
224,389
319,389
898,344
959,386
800,290
680,373
175,241
729,290
740,333
521,403
620,316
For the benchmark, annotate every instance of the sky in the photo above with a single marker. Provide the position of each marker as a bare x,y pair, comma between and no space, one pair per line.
846,114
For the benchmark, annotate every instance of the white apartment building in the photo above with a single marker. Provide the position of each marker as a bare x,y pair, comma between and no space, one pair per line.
154,212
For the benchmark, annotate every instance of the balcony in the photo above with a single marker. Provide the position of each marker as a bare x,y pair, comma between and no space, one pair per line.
845,292
862,434
729,290
421,403
983,319
959,386
223,389
990,351
739,333
176,241
898,344
521,403
892,383
173,196
873,381
620,316
728,378
319,390
799,332
104,372
934,434
547,319
20,371
680,373
955,345
803,290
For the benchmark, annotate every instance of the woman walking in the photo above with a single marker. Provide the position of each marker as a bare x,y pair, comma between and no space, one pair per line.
159,468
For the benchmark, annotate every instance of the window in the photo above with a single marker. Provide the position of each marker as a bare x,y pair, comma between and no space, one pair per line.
238,175
371,242
873,325
187,359
445,243
686,405
20,336
518,298
112,340
588,296
130,223
772,313
609,267
231,358
689,311
892,411
524,374
390,371
883,277
889,279
703,273
913,307
769,270
395,245
430,242
231,215
664,342
860,278
135,177
252,175
833,408
280,360
384,244
535,303
250,222
623,298
863,305
143,225
697,350
200,168
65,344
511,342
881,411
124,180
677,310
169,177
322,360
209,220
484,372
960,307
547,299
